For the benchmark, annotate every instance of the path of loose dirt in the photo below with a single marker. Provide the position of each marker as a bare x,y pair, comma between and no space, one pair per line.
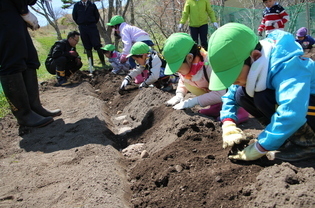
81,159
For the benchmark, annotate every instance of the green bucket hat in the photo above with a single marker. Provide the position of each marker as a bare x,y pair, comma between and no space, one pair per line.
115,20
176,48
139,48
109,47
229,46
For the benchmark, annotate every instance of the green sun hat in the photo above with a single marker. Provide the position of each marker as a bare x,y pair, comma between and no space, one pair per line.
109,47
139,48
115,20
176,48
229,46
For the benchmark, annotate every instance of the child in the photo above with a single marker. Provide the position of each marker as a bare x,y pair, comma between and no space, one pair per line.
129,35
304,40
274,17
113,58
187,58
262,77
150,60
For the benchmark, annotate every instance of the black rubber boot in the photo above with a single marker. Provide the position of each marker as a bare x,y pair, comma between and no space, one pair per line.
16,94
101,57
292,152
300,146
89,54
31,84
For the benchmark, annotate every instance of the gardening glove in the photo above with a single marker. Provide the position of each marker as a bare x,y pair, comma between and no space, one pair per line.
180,26
143,84
231,134
191,102
126,81
251,152
123,59
31,19
216,25
179,97
259,33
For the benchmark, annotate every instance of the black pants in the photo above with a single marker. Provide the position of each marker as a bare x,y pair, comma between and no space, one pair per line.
202,33
263,105
90,37
63,64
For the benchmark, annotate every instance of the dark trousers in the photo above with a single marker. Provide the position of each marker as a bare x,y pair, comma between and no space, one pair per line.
17,52
202,33
90,37
64,64
263,105
132,62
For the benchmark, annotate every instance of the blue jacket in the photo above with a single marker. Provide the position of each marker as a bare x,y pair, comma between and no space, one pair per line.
293,79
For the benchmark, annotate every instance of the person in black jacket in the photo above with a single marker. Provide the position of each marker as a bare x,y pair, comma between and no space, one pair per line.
86,15
63,59
18,64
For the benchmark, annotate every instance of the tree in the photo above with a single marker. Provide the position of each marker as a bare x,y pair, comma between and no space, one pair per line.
44,8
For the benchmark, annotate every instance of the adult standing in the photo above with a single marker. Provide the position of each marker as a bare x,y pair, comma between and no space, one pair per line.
198,12
86,15
18,64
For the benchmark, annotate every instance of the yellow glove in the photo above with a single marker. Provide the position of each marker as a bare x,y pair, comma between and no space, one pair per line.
251,152
231,134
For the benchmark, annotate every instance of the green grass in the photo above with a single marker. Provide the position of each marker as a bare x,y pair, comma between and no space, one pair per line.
43,44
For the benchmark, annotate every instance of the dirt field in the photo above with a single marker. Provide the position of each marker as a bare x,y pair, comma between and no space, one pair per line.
130,150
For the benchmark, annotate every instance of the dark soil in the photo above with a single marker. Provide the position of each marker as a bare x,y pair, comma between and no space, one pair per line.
93,155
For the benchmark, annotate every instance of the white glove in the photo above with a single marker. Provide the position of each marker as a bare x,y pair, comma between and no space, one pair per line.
179,97
191,102
180,26
231,134
31,19
216,25
143,84
126,81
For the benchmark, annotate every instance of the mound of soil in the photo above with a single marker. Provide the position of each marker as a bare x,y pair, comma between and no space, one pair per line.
127,149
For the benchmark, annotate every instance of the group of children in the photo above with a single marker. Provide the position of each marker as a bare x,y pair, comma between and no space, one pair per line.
241,74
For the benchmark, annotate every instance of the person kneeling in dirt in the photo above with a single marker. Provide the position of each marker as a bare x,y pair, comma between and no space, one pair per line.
271,80
187,58
151,60
63,59
113,58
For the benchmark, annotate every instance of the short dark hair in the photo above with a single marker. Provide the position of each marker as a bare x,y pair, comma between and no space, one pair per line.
137,56
72,34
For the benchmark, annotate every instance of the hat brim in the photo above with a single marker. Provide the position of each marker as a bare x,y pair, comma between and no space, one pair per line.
129,55
223,80
173,67
109,24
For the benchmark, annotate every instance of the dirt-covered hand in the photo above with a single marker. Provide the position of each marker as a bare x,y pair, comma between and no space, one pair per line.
251,152
231,134
125,82
191,102
31,19
179,97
